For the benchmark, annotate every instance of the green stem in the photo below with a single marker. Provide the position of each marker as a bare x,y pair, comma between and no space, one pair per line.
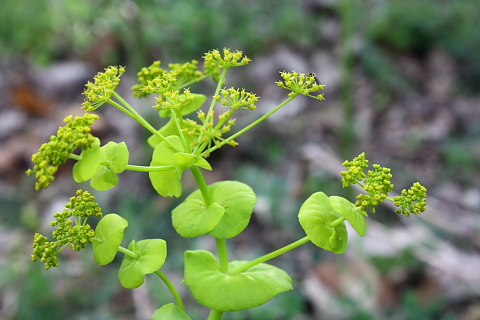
75,157
337,222
202,184
217,90
135,115
128,252
271,255
222,254
149,169
251,125
172,288
215,315
179,130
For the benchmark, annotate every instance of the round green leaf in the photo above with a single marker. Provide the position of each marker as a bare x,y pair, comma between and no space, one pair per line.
108,237
89,161
170,312
117,155
151,257
223,292
350,212
238,199
315,216
198,100
192,219
103,179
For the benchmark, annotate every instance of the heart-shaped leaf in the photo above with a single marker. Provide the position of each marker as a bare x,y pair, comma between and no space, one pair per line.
117,155
170,312
168,183
316,215
198,100
224,292
108,237
151,257
103,179
350,212
89,161
192,219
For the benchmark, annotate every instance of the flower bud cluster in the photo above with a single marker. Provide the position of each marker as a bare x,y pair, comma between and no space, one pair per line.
301,83
102,89
237,99
378,185
76,133
355,173
145,76
173,100
229,59
154,79
77,236
412,200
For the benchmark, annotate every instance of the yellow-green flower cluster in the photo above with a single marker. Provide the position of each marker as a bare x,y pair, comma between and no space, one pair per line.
77,236
102,89
354,173
378,185
301,83
229,59
146,75
154,79
76,133
173,100
237,99
412,200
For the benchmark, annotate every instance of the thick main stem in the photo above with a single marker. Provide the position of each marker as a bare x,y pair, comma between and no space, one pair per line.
222,254
215,315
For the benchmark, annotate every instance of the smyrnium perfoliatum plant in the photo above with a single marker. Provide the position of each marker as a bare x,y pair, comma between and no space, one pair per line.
192,131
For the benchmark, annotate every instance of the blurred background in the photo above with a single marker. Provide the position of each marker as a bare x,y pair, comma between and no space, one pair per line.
402,84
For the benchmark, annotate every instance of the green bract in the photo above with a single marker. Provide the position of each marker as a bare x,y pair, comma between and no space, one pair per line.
151,257
237,199
170,312
89,161
224,292
354,215
114,159
193,219
108,237
315,216
168,183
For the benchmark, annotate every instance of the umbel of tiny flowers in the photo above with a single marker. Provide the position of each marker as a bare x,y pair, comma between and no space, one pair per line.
102,90
76,133
377,184
301,83
179,76
237,99
80,208
412,200
173,100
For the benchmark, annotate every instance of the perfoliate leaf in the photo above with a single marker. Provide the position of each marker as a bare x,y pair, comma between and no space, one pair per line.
103,179
192,219
316,215
237,199
108,237
170,312
86,167
223,292
198,100
350,212
151,257
117,155
168,183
